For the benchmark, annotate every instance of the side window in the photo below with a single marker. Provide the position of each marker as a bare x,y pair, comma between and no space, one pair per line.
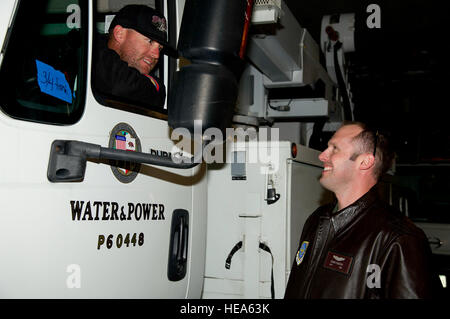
43,71
105,85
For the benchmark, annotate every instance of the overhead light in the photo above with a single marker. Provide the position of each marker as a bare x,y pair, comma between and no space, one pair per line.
266,11
443,279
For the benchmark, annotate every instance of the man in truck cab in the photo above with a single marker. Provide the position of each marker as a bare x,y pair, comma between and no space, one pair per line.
124,59
358,246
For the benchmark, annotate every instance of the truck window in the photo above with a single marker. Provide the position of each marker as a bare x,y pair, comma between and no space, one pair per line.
104,12
43,71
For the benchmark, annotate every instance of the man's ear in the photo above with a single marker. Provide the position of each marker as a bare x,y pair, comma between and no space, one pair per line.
119,33
367,161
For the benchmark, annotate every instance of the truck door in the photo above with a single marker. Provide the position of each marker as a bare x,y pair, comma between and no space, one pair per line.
120,231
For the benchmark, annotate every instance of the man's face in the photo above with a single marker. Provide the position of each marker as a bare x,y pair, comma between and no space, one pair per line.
339,170
139,51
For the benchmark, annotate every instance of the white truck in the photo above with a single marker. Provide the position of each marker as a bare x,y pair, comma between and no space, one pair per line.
109,235
77,225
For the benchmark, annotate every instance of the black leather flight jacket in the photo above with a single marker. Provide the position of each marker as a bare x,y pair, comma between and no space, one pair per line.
366,250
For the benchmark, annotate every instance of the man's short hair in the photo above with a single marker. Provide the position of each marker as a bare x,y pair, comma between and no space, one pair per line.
371,140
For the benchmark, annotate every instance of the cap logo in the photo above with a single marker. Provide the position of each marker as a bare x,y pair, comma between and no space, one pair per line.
159,23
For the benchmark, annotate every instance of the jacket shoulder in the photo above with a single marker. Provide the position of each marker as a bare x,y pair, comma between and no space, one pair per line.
406,261
397,223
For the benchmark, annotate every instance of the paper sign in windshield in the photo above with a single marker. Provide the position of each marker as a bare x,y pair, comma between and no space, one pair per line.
53,82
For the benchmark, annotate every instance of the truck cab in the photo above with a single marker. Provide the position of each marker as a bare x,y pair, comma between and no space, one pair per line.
125,230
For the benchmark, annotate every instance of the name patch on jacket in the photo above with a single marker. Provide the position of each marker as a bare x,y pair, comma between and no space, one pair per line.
338,262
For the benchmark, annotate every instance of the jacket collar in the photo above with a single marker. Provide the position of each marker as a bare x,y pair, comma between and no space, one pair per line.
347,215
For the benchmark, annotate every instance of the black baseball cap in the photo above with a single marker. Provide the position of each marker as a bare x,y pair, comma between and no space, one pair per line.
146,21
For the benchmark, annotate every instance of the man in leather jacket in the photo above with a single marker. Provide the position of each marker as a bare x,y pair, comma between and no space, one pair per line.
124,59
359,247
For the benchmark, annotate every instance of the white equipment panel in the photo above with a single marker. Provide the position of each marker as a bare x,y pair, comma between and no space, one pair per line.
238,211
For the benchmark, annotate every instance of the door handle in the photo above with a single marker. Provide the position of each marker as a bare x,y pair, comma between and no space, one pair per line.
178,248
435,241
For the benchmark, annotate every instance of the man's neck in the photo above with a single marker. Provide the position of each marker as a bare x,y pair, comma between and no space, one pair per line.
352,194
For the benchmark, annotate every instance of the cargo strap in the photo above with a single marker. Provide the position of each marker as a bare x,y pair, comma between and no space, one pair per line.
261,246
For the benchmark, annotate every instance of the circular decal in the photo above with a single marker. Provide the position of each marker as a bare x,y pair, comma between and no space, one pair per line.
123,137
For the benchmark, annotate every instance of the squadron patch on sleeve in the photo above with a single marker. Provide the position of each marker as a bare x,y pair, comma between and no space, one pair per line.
301,252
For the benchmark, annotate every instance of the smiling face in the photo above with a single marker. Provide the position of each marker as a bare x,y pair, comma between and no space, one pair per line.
339,170
139,51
